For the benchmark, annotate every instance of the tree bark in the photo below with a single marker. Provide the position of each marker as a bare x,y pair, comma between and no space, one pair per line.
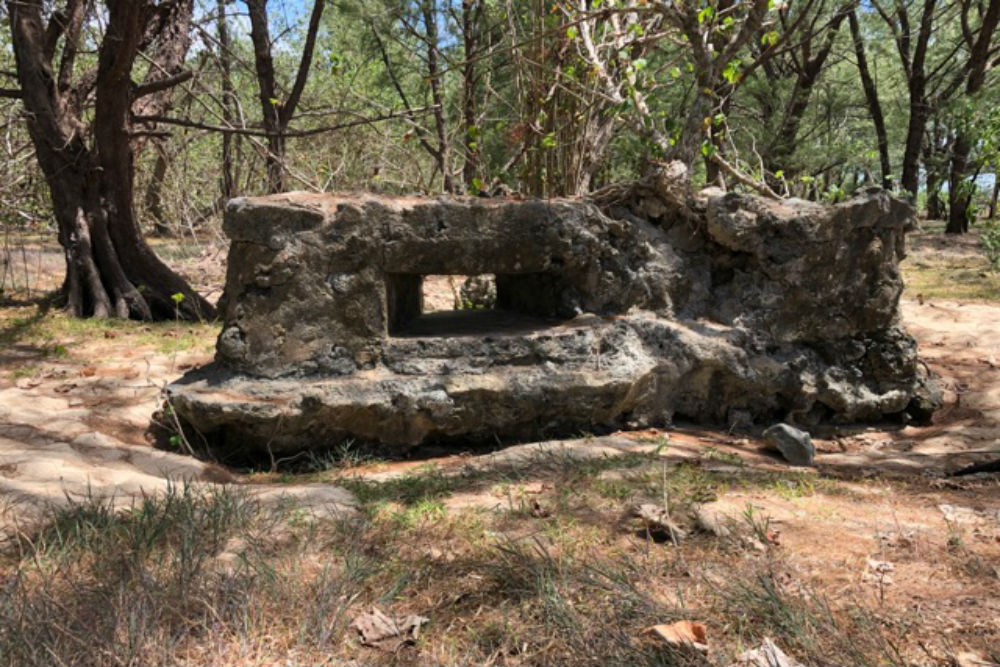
995,196
960,190
154,193
429,11
871,97
110,270
782,147
919,107
277,114
228,181
471,14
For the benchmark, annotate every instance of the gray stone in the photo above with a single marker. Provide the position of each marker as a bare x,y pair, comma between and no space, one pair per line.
794,444
647,304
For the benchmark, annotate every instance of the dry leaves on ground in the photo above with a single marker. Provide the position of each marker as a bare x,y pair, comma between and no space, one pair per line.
388,633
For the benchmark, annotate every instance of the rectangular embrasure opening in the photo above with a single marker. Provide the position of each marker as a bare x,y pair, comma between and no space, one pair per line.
452,305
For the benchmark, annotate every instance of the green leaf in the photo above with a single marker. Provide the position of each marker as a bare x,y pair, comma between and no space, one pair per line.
706,14
732,71
177,297
571,32
769,38
549,140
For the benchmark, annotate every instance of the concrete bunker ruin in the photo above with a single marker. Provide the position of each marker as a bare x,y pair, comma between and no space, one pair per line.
626,312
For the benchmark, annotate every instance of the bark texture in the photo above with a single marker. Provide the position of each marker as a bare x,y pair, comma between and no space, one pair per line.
110,270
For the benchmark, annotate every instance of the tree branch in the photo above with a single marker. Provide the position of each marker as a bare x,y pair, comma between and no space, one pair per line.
184,122
150,87
11,93
288,109
742,178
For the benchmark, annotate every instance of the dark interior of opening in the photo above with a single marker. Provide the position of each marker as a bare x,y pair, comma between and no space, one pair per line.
440,305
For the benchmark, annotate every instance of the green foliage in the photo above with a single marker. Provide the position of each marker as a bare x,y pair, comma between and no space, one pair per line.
990,238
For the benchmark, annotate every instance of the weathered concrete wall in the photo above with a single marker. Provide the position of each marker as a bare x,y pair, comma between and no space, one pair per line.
639,307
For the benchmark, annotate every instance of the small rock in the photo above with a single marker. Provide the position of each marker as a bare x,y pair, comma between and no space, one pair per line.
795,445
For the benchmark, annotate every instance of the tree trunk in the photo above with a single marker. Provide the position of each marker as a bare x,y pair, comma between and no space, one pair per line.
429,10
110,270
919,106
267,91
871,97
960,191
227,184
154,193
471,11
995,195
277,114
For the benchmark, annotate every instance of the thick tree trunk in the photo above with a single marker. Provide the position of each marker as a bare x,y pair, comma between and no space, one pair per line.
110,270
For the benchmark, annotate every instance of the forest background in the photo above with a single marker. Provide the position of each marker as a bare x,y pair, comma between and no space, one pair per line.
121,120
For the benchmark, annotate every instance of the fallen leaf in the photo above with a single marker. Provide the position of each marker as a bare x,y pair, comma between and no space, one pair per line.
89,371
766,655
385,632
682,634
114,334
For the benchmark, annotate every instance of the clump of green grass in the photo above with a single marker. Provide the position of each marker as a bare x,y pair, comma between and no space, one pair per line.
56,333
431,483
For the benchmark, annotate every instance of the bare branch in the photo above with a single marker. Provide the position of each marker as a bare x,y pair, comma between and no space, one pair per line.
184,122
742,178
288,110
158,85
